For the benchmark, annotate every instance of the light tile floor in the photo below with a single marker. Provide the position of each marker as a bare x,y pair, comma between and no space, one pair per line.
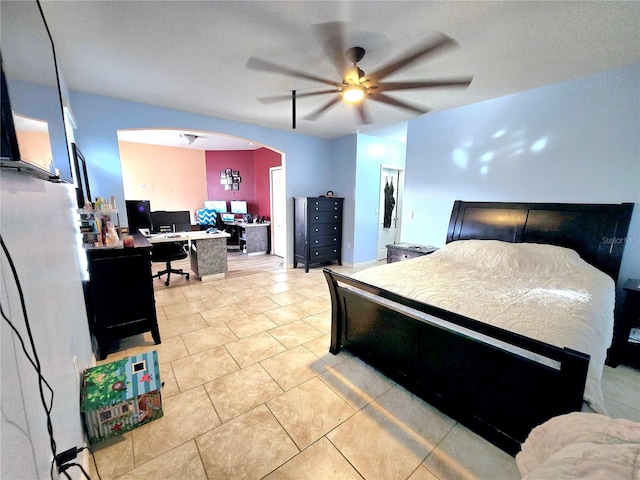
251,392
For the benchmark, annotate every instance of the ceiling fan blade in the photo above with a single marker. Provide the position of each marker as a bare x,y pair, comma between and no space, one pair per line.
316,113
281,98
381,97
365,118
432,46
257,64
462,82
331,36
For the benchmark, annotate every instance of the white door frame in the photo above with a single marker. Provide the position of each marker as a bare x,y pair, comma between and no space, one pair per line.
282,247
398,206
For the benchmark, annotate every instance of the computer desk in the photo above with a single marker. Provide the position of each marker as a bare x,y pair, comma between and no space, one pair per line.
208,251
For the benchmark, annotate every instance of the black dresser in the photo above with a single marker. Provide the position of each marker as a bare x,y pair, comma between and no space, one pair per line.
318,230
120,299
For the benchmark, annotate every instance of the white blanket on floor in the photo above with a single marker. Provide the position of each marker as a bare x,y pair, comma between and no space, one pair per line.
584,446
542,291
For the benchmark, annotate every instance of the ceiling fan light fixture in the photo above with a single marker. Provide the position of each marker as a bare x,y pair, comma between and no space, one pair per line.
353,93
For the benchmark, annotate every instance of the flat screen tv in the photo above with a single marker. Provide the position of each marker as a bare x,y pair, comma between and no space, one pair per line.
138,215
34,138
217,205
238,206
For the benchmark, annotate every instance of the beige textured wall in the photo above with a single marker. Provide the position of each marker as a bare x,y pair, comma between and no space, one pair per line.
170,178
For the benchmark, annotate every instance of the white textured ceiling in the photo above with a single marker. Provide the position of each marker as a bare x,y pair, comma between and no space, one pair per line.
191,56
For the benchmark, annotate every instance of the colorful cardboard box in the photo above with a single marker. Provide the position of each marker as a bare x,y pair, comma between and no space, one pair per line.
121,395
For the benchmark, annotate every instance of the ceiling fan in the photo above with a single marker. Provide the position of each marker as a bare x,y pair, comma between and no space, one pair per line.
356,85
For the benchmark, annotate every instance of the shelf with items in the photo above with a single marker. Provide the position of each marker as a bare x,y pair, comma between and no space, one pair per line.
100,228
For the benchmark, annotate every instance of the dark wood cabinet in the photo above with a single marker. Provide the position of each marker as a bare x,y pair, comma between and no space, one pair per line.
318,230
120,298
397,252
626,344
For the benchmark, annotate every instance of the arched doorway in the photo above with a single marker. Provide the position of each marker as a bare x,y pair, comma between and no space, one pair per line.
180,169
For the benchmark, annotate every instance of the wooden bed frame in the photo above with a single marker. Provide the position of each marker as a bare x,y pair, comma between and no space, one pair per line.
499,394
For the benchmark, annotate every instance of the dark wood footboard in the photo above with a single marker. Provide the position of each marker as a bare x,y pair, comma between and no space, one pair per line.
498,393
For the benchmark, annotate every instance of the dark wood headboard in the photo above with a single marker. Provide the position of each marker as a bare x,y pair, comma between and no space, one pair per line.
596,231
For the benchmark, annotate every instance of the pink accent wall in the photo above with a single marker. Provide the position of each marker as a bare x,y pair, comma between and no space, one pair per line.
253,166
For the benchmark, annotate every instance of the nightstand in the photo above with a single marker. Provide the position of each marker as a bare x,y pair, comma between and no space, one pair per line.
398,252
624,349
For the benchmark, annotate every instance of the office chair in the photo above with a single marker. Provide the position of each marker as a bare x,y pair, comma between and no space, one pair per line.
220,225
210,218
167,252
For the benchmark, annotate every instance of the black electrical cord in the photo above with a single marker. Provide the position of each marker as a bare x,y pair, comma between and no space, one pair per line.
47,408
66,466
35,361
95,464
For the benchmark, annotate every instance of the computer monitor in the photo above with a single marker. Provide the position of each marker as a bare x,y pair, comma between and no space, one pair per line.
217,205
238,206
138,215
164,221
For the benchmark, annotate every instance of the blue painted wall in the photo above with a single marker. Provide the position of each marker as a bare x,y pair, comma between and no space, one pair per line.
372,153
577,141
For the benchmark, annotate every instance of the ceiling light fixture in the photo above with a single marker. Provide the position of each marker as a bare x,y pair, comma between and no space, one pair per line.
189,137
353,93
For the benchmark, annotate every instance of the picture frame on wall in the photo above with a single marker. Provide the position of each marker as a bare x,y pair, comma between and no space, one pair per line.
223,174
227,172
235,186
227,187
237,179
235,173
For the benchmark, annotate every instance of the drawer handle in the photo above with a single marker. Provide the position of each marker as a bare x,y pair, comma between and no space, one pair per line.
317,253
316,241
405,256
317,217
317,229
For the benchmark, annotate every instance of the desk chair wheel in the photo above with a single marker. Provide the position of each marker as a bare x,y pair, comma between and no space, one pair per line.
186,276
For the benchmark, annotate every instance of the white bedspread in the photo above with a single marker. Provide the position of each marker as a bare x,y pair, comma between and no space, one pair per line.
542,291
582,446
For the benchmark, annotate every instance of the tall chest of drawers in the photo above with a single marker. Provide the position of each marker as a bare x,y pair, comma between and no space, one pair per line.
318,230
